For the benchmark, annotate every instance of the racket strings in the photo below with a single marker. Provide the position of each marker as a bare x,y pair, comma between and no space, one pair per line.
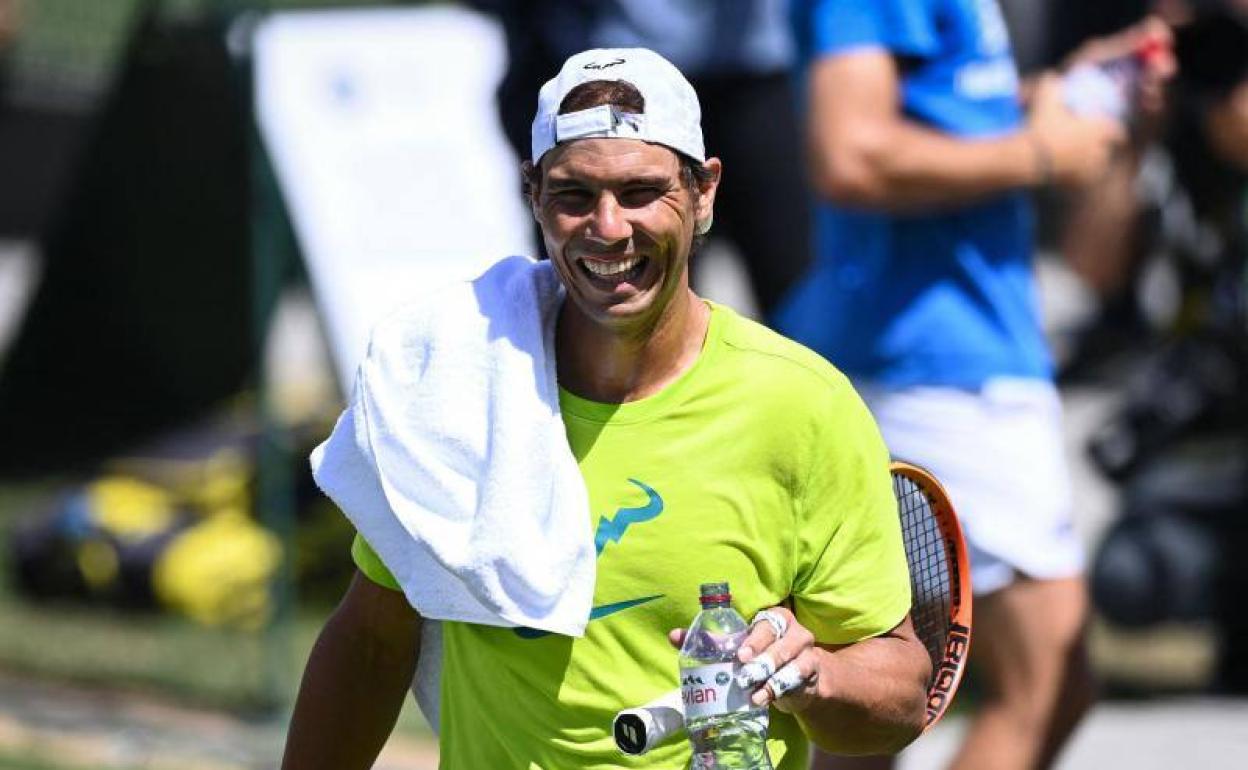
928,558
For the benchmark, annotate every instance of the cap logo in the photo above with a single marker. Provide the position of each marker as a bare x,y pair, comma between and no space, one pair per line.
593,65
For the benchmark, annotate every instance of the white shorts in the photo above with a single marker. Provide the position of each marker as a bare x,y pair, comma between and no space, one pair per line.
998,452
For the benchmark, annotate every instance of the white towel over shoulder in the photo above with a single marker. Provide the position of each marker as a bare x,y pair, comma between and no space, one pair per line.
453,463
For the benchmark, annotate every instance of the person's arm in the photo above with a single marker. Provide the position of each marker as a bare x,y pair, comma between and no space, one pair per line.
10,21
869,697
1101,236
356,679
866,152
1227,127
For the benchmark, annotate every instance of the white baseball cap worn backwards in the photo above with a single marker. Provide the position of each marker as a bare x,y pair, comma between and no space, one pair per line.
672,116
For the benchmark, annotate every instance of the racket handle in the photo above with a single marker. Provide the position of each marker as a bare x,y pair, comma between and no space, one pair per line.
639,729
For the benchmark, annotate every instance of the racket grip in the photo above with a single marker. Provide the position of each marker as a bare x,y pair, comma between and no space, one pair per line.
639,729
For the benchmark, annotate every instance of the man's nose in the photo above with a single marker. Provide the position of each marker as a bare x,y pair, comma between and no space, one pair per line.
608,222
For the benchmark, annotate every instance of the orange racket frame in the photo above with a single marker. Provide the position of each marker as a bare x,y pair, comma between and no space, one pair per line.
936,551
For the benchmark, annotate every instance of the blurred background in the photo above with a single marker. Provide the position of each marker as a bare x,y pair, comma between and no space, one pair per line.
205,203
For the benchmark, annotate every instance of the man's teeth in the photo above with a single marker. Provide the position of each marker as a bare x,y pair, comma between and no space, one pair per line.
608,269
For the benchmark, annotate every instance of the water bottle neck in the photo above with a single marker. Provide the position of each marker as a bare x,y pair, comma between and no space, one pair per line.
714,595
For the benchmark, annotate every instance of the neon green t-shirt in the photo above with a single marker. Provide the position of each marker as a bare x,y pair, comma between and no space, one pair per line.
759,466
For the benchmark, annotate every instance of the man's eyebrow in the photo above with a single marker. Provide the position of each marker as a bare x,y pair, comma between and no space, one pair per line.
564,182
649,181
656,180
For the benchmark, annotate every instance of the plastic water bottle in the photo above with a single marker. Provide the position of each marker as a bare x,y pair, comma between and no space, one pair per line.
1109,88
726,731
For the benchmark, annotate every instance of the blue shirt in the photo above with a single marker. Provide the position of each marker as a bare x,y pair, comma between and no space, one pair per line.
944,297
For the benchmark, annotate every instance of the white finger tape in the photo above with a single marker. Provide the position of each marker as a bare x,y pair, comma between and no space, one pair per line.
756,671
786,680
774,619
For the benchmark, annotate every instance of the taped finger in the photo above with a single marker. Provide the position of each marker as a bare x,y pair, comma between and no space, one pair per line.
786,680
779,624
756,671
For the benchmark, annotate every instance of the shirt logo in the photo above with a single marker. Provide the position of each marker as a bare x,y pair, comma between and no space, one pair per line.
611,530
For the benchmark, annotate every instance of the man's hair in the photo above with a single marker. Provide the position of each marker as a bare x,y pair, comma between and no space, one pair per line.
623,96
620,93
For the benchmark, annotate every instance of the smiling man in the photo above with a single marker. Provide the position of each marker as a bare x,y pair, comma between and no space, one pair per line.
710,447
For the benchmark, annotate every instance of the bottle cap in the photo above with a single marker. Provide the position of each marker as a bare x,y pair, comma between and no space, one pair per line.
715,595
1153,48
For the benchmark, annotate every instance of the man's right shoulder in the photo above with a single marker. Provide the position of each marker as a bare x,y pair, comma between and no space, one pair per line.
770,360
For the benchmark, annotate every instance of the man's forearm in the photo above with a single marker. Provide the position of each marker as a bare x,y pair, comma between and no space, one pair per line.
909,166
352,692
871,696
1227,126
1101,236
866,151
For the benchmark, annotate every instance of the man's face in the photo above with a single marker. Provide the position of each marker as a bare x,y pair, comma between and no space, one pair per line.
618,223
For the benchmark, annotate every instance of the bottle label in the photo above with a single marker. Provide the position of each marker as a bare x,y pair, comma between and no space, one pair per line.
709,690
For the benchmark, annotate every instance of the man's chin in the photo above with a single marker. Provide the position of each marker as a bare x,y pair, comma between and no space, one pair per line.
631,315
629,311
620,301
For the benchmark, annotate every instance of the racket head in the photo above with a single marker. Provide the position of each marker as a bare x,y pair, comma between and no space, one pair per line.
940,579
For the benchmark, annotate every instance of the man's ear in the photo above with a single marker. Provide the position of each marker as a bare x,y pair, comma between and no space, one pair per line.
706,195
530,183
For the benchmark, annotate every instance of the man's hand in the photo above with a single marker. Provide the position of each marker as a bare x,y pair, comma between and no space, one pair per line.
780,655
780,660
861,698
1077,150
1071,150
1153,40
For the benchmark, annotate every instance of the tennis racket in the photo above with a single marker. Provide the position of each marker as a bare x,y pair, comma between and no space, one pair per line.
940,580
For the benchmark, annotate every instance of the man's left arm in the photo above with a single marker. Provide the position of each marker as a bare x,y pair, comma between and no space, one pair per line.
868,697
847,664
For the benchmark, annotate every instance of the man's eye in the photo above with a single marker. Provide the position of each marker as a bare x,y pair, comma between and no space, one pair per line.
570,197
640,196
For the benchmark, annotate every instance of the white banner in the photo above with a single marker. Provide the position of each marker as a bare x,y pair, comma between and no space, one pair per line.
382,128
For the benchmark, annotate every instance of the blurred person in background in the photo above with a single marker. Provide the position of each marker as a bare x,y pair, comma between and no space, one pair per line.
10,21
1176,191
1173,204
739,56
10,16
922,292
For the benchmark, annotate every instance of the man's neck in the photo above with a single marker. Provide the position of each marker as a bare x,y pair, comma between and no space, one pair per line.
609,366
